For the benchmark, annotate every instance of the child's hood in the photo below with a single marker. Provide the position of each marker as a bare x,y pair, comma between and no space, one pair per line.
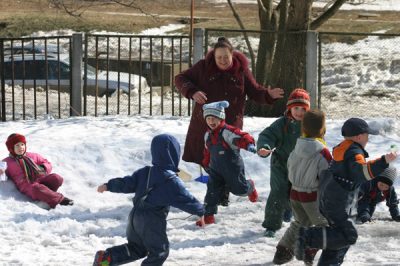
307,147
165,152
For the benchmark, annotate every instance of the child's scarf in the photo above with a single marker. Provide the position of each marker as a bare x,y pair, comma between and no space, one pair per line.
317,139
30,168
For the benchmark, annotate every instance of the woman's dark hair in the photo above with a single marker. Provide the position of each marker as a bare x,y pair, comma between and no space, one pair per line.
223,43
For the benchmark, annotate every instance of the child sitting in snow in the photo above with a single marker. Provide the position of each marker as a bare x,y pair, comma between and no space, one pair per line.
375,191
156,188
31,173
222,159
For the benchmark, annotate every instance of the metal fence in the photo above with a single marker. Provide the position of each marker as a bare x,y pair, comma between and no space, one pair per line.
358,74
122,74
142,69
33,82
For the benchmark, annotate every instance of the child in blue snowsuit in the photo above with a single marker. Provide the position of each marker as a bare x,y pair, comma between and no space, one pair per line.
156,188
222,159
375,191
338,192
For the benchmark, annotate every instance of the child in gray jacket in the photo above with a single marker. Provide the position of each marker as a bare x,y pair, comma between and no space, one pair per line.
305,164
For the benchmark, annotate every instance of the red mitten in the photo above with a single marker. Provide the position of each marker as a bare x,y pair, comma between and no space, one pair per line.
200,222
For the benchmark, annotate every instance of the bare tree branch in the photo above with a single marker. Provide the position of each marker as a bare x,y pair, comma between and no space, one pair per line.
130,4
77,8
246,38
326,15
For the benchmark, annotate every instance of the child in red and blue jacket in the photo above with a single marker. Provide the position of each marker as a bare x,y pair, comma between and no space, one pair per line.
222,159
375,191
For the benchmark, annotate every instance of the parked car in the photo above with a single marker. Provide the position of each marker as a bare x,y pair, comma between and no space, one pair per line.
27,70
28,48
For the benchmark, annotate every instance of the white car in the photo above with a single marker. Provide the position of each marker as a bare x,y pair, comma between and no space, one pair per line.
28,48
25,71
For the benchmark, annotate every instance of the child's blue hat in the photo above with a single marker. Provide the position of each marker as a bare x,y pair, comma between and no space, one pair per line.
216,109
356,126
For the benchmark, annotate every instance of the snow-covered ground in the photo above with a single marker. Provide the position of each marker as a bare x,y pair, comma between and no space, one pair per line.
88,151
381,5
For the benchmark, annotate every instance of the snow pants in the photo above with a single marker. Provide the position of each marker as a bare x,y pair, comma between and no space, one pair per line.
45,188
278,199
147,237
226,174
217,186
306,214
337,205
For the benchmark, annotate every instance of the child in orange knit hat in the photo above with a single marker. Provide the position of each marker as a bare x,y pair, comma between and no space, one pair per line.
279,140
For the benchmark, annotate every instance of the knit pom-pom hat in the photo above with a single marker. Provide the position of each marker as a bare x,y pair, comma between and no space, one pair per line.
216,109
387,176
298,97
14,139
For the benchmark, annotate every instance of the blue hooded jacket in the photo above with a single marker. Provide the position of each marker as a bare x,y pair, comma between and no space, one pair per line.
161,188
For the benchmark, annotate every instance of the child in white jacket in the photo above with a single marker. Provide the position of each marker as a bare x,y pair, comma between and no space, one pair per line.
306,162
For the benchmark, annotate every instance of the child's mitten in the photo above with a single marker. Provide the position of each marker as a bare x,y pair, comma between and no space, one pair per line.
251,148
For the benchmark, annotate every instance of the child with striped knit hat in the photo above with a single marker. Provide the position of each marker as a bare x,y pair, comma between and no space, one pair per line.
222,159
278,140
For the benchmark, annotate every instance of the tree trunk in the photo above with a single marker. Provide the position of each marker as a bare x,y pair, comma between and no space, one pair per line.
288,67
289,71
266,51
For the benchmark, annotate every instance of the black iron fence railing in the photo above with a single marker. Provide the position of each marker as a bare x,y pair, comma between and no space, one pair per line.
356,74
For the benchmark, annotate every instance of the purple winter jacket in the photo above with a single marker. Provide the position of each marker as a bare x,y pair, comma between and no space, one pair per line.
232,85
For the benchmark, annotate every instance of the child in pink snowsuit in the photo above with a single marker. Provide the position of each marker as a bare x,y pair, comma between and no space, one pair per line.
31,173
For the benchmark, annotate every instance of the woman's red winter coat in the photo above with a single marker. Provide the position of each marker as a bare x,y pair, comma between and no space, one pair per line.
232,85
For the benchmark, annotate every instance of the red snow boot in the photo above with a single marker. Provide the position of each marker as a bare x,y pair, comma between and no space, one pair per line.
253,196
208,219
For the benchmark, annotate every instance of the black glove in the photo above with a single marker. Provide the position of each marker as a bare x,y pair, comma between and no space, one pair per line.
396,218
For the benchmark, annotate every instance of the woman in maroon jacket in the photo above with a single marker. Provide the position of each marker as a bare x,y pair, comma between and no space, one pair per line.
223,75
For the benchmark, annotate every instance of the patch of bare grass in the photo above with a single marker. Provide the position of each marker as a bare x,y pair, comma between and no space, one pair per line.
18,18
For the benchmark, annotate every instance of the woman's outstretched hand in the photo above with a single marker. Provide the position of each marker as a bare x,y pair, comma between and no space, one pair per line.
275,93
199,97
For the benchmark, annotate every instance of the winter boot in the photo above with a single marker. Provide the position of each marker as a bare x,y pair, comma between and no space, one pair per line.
66,201
309,256
300,247
282,255
102,258
287,215
253,196
224,199
208,219
269,233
